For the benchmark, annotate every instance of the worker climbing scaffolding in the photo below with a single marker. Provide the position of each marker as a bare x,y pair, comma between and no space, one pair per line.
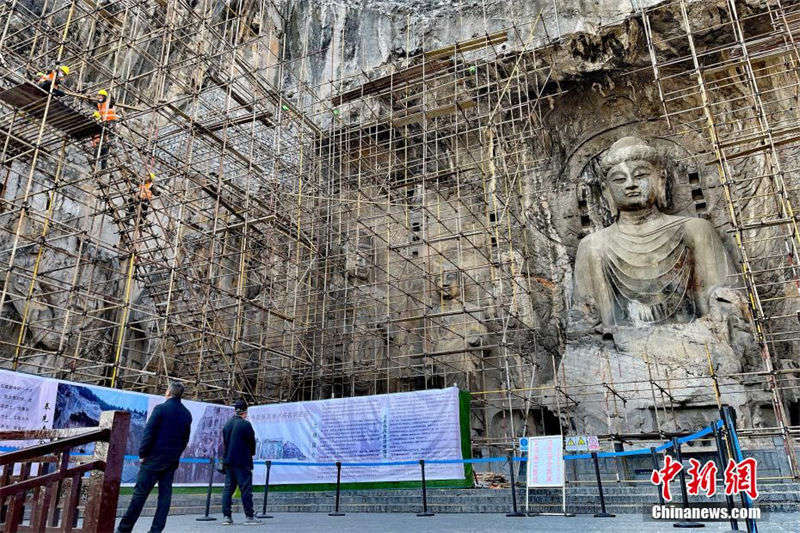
142,197
52,79
106,113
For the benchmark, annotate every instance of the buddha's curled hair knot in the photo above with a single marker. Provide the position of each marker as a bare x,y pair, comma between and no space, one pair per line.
630,149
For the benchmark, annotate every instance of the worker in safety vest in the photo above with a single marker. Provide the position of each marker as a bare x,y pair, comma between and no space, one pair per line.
105,113
143,196
53,79
105,107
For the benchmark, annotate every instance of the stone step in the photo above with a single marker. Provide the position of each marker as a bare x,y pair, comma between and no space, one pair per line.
619,499
572,492
499,509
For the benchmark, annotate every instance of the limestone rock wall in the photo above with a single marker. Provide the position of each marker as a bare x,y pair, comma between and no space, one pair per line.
372,280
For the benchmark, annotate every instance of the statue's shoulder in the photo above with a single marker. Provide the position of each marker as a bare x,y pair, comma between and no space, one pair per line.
693,225
594,242
697,231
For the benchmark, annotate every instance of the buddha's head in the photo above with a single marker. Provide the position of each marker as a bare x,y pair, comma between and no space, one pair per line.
451,285
635,175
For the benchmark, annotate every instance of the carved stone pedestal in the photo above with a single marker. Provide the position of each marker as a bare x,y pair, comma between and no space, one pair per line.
617,382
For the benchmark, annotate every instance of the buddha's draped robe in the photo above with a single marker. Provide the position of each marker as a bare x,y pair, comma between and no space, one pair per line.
649,275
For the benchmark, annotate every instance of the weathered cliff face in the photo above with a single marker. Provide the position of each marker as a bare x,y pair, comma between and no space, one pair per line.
381,279
601,88
347,38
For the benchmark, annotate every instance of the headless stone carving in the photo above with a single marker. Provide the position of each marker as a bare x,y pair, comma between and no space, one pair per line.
650,303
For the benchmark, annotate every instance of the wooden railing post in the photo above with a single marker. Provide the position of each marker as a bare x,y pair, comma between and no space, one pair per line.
101,510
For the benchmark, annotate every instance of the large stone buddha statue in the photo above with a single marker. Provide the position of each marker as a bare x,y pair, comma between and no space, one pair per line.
650,310
647,267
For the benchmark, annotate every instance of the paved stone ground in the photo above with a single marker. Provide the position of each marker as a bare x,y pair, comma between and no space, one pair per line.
449,523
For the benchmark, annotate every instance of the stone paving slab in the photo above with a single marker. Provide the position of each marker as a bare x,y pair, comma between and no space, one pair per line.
448,523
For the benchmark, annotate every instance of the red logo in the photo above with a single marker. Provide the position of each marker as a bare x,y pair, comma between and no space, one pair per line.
739,477
704,478
665,475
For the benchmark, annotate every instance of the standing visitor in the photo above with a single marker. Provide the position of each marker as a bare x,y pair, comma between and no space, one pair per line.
165,437
239,442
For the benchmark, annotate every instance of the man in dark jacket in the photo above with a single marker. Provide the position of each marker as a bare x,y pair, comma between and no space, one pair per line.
239,441
165,437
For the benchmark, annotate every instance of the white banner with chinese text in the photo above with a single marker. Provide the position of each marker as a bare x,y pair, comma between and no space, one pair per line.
384,428
546,461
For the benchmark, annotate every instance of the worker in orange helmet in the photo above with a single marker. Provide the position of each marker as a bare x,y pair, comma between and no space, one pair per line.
53,79
143,196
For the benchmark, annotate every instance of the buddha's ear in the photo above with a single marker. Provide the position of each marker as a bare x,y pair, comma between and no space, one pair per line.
662,192
608,199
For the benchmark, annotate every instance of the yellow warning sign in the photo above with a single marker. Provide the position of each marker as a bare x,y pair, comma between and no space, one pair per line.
578,443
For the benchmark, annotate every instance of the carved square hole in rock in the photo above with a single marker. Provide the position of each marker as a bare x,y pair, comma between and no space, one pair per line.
697,194
415,226
582,203
694,178
585,221
414,238
414,253
492,217
494,241
700,207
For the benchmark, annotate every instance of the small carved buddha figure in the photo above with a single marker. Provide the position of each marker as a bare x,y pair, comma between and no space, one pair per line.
647,267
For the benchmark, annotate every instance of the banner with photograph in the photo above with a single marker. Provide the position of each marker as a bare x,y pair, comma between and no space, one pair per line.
79,406
384,428
33,402
205,440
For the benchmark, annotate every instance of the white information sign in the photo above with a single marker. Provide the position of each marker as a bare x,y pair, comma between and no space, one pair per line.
407,426
546,461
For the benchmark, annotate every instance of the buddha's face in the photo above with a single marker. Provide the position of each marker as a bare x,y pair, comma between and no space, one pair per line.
450,285
633,184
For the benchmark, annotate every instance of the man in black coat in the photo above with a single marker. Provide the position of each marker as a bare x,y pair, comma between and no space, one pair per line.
239,440
165,437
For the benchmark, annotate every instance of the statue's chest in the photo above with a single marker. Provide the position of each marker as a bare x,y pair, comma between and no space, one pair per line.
649,274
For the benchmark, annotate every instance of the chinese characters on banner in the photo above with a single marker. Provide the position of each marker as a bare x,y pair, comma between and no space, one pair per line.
31,402
384,428
389,427
27,403
545,461
739,477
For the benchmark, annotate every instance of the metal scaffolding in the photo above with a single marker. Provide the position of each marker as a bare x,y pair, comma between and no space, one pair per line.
358,236
740,90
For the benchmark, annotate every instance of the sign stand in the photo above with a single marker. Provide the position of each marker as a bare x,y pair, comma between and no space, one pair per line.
545,468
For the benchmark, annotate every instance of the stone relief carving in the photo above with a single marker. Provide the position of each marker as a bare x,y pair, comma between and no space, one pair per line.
450,287
359,258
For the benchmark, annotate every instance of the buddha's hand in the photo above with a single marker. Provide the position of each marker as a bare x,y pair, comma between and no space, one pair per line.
726,301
